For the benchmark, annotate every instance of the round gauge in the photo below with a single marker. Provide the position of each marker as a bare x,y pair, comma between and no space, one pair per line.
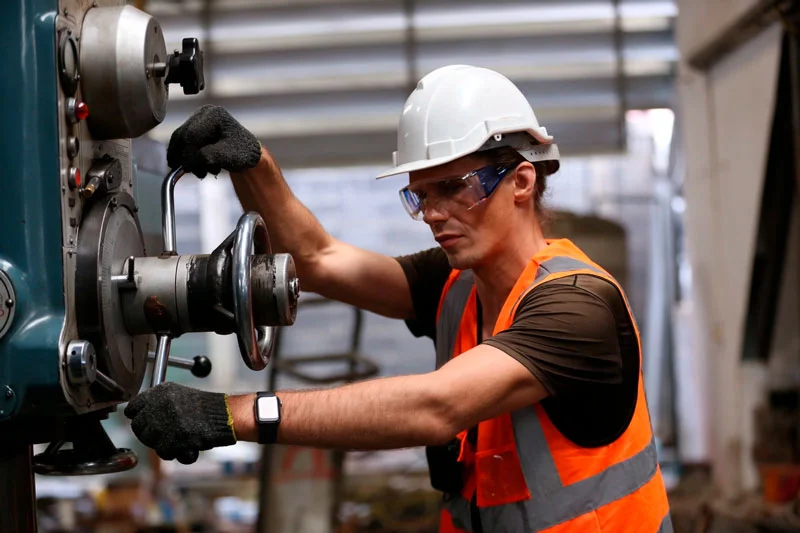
7,303
68,63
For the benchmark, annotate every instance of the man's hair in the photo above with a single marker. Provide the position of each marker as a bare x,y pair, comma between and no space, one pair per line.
508,157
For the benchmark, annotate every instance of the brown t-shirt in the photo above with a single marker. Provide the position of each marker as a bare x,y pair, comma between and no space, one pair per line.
574,334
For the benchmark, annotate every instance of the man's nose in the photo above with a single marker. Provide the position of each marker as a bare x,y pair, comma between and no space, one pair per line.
433,213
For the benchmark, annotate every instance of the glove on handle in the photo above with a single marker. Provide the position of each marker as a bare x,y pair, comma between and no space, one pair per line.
211,140
178,421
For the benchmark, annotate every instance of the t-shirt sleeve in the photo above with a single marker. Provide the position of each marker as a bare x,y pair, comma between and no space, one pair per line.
427,272
566,336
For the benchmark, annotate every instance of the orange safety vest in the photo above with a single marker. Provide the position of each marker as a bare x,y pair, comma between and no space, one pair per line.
527,476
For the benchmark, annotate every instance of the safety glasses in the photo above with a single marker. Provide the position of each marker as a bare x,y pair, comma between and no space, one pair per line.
464,192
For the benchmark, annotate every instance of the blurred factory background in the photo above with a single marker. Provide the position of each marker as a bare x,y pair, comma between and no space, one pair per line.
678,123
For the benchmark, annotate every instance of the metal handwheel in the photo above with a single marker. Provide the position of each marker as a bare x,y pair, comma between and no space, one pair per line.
255,343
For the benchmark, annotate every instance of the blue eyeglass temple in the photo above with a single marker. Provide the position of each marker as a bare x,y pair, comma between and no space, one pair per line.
490,179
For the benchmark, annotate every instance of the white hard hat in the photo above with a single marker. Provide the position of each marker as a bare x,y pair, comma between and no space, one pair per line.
459,110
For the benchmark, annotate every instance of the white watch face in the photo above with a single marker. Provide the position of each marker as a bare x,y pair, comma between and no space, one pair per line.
267,409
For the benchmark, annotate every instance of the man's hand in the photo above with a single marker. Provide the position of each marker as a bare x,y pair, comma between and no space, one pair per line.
211,140
179,421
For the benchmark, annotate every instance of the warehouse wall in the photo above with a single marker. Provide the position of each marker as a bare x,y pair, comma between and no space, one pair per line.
726,115
701,20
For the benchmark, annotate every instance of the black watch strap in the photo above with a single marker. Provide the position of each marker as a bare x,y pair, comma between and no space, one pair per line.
267,429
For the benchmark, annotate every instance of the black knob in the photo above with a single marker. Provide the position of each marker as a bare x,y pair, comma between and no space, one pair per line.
201,367
186,67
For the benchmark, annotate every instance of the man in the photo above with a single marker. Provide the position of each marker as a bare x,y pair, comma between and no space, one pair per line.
536,417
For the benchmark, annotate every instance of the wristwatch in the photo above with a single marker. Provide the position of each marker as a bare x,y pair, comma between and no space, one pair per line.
268,416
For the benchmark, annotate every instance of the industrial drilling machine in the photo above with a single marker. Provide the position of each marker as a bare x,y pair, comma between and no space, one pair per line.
83,305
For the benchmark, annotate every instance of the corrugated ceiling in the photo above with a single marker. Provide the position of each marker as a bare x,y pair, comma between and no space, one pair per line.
322,82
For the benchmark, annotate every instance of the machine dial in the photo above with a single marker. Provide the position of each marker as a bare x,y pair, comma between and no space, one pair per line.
8,302
68,63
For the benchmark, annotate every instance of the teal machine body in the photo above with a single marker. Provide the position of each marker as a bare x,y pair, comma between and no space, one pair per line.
84,306
33,311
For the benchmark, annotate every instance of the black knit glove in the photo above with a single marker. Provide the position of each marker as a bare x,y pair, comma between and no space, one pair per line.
210,140
178,422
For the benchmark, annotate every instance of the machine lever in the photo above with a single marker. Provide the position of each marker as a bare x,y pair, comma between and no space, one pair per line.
168,210
109,384
160,360
200,365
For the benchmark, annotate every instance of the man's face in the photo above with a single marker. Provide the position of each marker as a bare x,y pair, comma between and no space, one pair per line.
467,236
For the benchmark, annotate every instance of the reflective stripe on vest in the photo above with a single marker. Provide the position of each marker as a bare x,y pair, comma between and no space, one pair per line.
451,312
551,502
491,522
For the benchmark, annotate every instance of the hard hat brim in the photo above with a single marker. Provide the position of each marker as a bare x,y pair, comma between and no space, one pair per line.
418,165
547,152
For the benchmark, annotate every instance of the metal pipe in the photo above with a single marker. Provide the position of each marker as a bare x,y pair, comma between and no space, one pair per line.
168,210
620,79
410,43
161,358
17,489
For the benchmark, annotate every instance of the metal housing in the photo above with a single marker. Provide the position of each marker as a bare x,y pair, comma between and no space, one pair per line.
120,51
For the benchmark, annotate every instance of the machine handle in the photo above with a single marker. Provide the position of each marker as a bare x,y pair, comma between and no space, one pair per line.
255,343
161,359
200,365
168,210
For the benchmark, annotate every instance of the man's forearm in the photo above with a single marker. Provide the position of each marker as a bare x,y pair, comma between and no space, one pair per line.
326,266
292,227
372,415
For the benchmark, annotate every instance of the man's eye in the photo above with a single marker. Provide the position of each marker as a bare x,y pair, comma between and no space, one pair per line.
451,186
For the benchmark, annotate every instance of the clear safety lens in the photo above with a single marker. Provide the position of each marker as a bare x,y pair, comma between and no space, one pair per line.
464,192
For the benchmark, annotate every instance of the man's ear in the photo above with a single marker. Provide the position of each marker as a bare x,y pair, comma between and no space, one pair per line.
524,182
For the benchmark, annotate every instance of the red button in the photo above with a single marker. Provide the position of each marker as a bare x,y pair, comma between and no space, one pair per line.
74,178
81,111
